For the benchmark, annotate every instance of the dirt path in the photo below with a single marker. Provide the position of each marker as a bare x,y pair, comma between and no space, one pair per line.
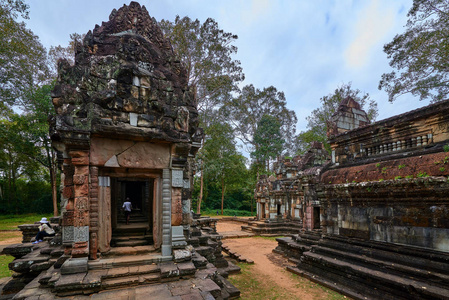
10,237
269,267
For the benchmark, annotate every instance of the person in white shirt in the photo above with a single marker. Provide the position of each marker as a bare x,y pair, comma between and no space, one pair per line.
44,230
128,207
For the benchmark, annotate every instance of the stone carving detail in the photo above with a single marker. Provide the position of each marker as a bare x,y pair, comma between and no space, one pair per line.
186,184
177,180
68,234
82,203
186,207
81,234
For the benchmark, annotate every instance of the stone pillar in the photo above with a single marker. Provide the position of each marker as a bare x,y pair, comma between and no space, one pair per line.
80,160
68,212
166,213
93,212
104,234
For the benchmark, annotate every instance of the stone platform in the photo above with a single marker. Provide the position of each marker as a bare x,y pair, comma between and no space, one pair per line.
368,269
197,272
265,228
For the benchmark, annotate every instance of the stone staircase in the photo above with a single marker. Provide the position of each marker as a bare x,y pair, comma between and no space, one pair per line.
198,270
272,228
294,246
136,233
369,269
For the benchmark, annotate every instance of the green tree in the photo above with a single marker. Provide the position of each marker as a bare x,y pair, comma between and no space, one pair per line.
420,55
206,51
28,139
23,59
268,141
317,121
246,111
223,165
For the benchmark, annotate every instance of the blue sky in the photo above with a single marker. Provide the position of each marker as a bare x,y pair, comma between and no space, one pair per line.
305,48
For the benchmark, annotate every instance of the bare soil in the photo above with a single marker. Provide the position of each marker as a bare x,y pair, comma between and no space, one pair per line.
10,237
270,267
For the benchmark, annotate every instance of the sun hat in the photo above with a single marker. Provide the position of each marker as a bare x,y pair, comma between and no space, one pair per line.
43,220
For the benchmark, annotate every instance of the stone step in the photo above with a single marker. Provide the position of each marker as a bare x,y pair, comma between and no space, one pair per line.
130,238
127,251
127,261
395,267
396,254
132,243
372,283
123,229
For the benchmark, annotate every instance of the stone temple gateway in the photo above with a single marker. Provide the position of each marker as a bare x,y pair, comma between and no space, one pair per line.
127,126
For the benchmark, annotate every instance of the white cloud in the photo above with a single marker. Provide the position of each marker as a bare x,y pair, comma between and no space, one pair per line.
372,25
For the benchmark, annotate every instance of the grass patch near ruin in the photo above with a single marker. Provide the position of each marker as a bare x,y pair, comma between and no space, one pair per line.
255,286
227,213
252,287
271,238
4,261
306,284
10,222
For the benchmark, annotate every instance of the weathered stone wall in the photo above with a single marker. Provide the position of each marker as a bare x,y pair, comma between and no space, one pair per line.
407,211
389,181
124,109
291,193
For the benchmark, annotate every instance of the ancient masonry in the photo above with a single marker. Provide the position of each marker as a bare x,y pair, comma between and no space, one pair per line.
126,125
374,216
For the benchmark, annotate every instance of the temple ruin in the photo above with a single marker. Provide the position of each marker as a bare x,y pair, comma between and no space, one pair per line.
126,126
375,216
370,219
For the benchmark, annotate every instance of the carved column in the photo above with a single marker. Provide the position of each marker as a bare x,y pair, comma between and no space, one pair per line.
104,213
68,194
80,160
166,213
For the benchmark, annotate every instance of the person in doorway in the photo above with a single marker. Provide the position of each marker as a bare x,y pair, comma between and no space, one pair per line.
44,230
127,206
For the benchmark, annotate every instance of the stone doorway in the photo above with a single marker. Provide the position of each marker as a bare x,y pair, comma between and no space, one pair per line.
140,229
316,217
262,210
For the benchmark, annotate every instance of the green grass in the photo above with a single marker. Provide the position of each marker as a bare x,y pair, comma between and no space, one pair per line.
272,238
255,286
227,212
10,222
4,261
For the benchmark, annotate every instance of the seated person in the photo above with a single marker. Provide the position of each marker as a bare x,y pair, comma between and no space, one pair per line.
44,230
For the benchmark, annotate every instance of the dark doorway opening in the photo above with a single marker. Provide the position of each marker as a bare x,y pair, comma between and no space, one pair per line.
139,230
279,210
316,218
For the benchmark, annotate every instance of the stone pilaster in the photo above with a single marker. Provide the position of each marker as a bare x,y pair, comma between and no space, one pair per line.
80,160
166,213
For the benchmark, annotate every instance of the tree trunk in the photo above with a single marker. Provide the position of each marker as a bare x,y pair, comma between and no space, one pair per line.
54,191
223,190
200,197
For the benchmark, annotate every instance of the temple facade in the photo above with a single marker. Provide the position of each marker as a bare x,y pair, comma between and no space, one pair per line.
126,126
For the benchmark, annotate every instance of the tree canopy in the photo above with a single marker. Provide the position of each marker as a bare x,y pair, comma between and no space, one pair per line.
247,110
317,121
23,59
420,55
206,51
268,141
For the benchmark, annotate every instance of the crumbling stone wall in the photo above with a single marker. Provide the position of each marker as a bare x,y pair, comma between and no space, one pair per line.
389,180
293,188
